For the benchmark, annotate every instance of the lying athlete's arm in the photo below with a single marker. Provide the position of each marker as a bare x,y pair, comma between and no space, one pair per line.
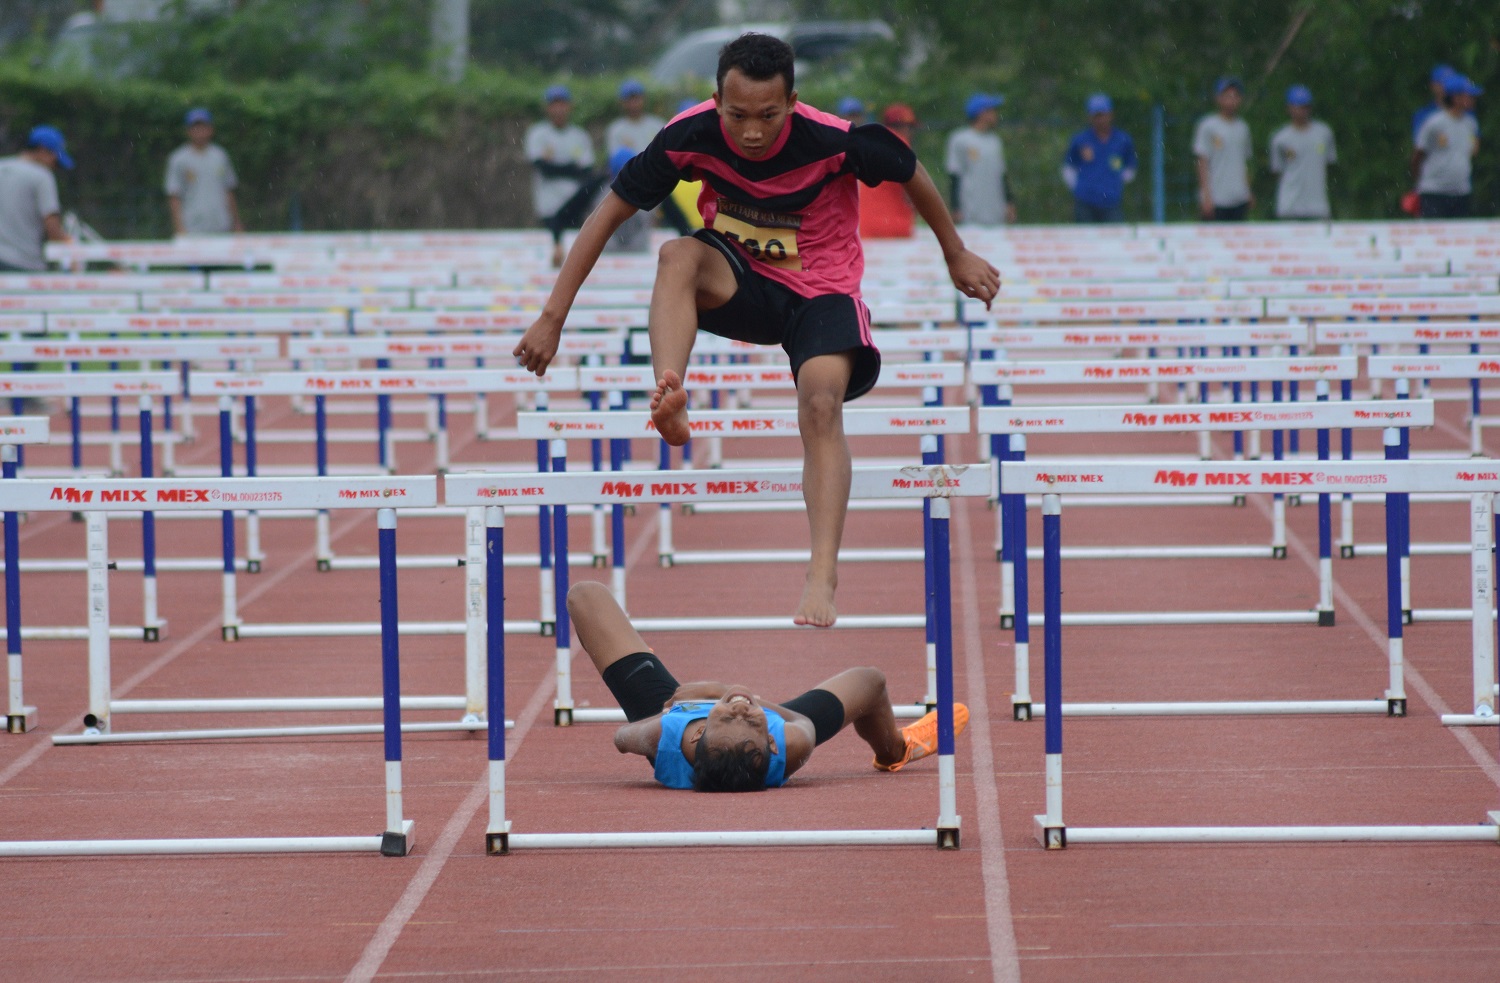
640,737
970,274
801,736
538,345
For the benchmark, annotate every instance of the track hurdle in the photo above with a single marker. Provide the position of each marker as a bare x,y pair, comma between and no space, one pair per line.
940,484
99,497
1322,416
14,431
103,496
1060,479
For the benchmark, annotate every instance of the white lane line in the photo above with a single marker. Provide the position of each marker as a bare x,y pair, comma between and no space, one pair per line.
406,906
1413,677
1005,964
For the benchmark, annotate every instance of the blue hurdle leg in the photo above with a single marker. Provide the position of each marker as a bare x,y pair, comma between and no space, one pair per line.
563,708
396,841
1050,828
497,833
948,819
1396,617
19,718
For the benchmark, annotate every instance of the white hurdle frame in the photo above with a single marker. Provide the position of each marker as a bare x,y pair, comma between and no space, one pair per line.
1322,416
939,484
1396,478
165,494
19,718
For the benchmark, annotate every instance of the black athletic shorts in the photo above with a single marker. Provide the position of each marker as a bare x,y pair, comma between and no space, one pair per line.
764,312
642,686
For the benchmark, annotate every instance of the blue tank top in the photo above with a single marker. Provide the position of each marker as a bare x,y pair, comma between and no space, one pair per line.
675,771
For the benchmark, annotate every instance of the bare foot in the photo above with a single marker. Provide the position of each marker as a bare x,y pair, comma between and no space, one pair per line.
669,409
816,608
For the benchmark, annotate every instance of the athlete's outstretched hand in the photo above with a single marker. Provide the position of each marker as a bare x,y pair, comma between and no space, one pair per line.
974,277
538,346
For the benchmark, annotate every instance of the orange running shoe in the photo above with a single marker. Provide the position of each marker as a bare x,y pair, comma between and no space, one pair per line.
921,737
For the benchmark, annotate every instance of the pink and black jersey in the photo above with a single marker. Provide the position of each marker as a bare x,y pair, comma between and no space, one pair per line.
793,213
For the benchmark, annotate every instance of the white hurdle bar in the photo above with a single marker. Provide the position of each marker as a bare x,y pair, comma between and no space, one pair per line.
1017,423
102,496
19,718
99,497
940,484
1395,478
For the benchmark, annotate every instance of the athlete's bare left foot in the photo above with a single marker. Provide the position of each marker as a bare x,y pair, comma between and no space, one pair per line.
816,608
669,409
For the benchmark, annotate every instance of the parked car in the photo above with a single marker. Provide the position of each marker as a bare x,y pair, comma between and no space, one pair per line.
818,45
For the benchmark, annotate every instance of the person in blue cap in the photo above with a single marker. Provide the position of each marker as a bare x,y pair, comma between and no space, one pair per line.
1443,161
975,163
563,181
1436,79
1300,154
851,109
30,212
633,131
1221,143
200,182
1100,161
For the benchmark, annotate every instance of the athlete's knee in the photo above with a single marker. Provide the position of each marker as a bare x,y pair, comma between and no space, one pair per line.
679,256
585,595
820,407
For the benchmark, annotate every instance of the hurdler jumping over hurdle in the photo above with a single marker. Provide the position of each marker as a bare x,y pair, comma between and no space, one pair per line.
714,737
779,262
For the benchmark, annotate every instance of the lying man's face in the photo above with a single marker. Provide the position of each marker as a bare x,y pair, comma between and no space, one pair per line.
735,720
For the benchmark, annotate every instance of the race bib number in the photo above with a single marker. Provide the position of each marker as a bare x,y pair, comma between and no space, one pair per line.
770,237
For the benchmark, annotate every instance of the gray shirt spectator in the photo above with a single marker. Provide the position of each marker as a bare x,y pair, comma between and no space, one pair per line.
1448,143
1301,156
1224,144
30,212
976,160
202,179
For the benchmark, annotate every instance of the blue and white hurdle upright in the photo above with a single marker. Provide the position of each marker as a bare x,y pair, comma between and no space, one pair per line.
939,484
97,497
1059,479
14,432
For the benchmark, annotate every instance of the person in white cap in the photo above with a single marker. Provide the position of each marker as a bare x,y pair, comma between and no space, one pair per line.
1443,161
975,163
30,213
1300,153
200,182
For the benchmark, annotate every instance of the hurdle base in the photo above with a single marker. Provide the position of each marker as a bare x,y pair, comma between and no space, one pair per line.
1406,618
152,633
1346,552
1469,720
498,844
20,723
324,565
664,560
1053,837
1325,619
398,844
1395,706
1278,552
1007,622
229,633
600,562
546,629
713,839
562,716
252,566
1487,831
947,837
1020,710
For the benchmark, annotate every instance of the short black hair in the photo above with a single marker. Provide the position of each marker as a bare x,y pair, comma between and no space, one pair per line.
741,768
760,57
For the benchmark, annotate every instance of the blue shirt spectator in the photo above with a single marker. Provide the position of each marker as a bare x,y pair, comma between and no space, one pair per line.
1100,161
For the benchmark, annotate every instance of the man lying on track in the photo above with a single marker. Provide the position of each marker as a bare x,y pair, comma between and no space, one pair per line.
714,737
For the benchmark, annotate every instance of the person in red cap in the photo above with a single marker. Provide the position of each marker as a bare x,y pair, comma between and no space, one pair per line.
885,211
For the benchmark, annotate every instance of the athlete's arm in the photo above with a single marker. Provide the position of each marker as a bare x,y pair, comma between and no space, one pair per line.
538,345
640,737
970,273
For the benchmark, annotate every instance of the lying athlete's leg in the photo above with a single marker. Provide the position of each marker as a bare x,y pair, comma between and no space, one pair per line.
822,382
690,276
867,708
604,630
